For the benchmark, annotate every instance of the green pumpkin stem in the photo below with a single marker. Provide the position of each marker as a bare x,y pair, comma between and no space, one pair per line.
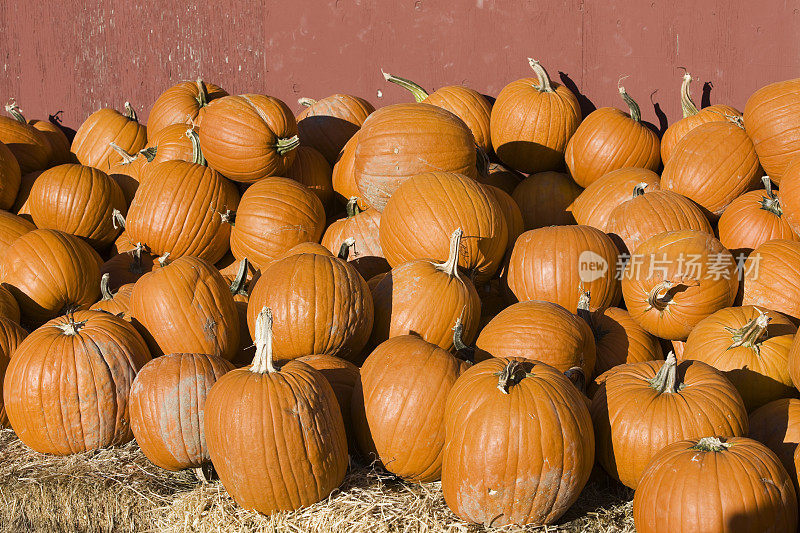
197,153
544,80
239,283
451,265
666,379
635,112
416,91
751,334
344,249
262,362
130,113
306,102
711,444
13,109
352,208
284,146
117,220
687,104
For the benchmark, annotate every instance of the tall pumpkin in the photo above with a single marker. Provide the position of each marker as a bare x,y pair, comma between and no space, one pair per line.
772,277
30,146
544,199
92,142
11,335
363,227
185,101
532,121
328,124
594,205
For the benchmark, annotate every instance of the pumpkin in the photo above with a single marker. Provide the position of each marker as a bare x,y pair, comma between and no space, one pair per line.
275,433
177,141
11,228
66,388
363,227
593,206
249,137
467,104
544,199
10,177
328,124
794,361
307,248
676,279
550,263
425,210
511,213
772,278
312,170
117,303
770,118
167,404
643,407
20,206
399,141
509,425
57,193
647,214
92,142
532,121
274,215
9,308
692,118
398,406
122,244
240,285
59,148
321,305
540,331
425,298
344,177
183,102
715,484
30,146
777,426
50,272
789,201
609,139
128,267
186,307
182,209
11,335
128,170
500,177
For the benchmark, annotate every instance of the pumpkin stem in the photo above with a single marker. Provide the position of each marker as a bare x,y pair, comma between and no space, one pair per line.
736,119
770,202
163,259
13,109
127,158
418,92
105,291
130,112
512,373
659,301
149,153
636,113
344,249
284,146
306,102
578,378
71,327
240,281
136,259
751,334
666,379
352,207
117,220
584,302
467,353
202,93
711,444
544,80
197,153
228,217
638,189
451,265
687,104
262,362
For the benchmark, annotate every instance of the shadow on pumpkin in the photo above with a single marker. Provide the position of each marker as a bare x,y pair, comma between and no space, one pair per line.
329,134
545,156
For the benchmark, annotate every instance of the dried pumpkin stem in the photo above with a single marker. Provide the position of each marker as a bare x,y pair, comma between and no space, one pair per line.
202,93
711,444
162,261
635,112
117,220
344,249
105,291
71,327
416,90
352,207
130,112
239,283
584,305
127,158
197,153
458,332
451,265
751,333
666,379
544,80
13,109
512,373
149,153
284,146
770,202
136,259
659,301
578,377
306,102
638,189
687,104
262,362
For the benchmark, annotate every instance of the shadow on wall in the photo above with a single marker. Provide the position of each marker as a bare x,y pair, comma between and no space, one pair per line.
55,118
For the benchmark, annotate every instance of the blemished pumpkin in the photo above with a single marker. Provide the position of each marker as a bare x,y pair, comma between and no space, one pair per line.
50,272
92,142
167,406
274,215
609,139
11,228
11,335
760,499
344,177
329,123
544,199
532,121
275,433
509,424
57,193
312,170
546,265
399,141
467,104
409,372
363,227
30,146
772,277
751,346
642,407
10,177
426,209
676,279
249,137
66,388
777,426
181,103
118,302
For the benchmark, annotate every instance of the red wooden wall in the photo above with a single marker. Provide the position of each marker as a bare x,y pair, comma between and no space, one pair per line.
79,55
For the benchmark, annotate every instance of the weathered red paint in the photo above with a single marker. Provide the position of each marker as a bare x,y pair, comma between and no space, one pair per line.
77,55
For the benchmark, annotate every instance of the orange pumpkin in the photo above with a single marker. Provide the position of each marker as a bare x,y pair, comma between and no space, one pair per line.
20,206
544,199
9,308
500,177
328,124
511,213
181,103
128,267
312,170
790,195
344,177
92,142
593,206
777,426
128,170
177,141
117,303
363,228
11,335
10,177
30,146
772,277
11,228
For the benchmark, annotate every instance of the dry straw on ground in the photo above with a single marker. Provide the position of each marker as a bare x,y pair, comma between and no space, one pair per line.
118,490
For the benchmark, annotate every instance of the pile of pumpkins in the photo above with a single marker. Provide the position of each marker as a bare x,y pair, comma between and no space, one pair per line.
491,294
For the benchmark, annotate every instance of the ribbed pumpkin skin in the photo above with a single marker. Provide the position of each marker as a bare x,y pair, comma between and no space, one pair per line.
678,130
124,268
178,104
794,361
344,177
531,128
328,124
539,331
620,340
402,140
277,439
546,265
425,211
772,277
119,304
470,106
789,195
10,177
48,272
11,335
321,305
167,408
633,421
743,489
67,394
686,306
746,225
274,215
11,228
515,225
128,175
91,142
607,140
759,372
179,209
171,143
777,426
59,144
9,308
239,136
712,165
186,307
29,146
544,199
770,117
652,213
593,206
312,170
516,458
78,200
399,404
122,244
366,255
